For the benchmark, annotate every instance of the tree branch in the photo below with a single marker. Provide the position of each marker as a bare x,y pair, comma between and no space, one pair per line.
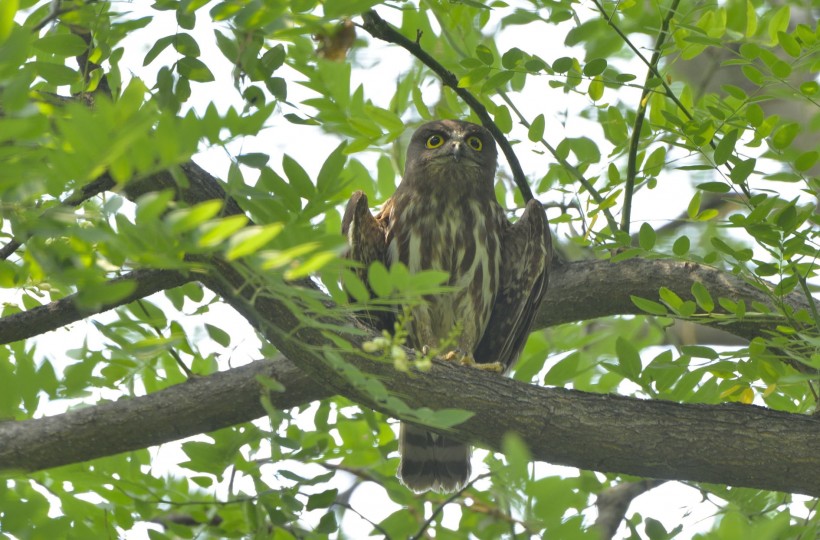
198,405
103,183
380,29
731,444
65,311
614,502
740,445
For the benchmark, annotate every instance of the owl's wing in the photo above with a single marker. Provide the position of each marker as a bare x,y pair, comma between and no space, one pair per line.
526,249
367,242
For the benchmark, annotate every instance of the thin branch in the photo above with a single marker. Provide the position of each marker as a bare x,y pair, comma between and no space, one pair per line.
171,351
614,502
631,167
566,165
444,503
65,311
379,28
376,526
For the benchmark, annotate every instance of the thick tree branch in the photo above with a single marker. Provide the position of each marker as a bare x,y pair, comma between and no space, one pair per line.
730,444
585,290
199,405
737,445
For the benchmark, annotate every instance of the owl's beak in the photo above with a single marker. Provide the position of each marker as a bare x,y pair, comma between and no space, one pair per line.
457,149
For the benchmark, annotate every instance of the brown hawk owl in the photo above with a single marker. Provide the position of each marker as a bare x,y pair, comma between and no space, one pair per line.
444,216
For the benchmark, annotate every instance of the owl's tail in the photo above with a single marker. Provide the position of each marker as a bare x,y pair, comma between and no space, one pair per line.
432,462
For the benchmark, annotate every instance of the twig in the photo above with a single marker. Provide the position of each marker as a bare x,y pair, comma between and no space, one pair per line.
447,501
103,183
376,526
380,29
631,167
614,502
177,358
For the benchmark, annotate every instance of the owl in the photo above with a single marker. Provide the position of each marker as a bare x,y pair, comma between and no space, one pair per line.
444,216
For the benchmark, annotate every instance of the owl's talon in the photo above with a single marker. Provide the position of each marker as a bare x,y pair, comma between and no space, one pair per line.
467,360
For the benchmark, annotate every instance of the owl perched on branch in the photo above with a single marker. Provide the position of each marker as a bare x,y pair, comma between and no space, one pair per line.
444,216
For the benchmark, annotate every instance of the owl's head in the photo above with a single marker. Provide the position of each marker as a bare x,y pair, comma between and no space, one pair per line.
450,146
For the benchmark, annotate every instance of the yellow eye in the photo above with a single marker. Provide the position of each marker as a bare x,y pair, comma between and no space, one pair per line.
434,141
475,143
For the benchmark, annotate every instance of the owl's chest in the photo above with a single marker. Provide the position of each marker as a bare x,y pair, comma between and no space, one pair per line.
459,239
463,240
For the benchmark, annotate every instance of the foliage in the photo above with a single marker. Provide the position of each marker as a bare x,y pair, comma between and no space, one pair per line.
603,130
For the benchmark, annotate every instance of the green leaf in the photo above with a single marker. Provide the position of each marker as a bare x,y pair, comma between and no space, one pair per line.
647,237
322,500
751,19
596,89
511,58
694,205
216,232
655,162
379,279
702,297
313,264
503,119
8,9
681,246
699,351
218,335
194,69
327,180
159,45
649,306
518,457
595,67
61,44
184,219
105,293
354,286
714,187
251,239
726,147
536,131
742,170
779,23
628,358
670,298
298,178
563,64
806,160
447,418
784,135
485,55
56,74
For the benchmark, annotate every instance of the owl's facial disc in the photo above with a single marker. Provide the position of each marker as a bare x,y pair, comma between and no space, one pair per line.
455,147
